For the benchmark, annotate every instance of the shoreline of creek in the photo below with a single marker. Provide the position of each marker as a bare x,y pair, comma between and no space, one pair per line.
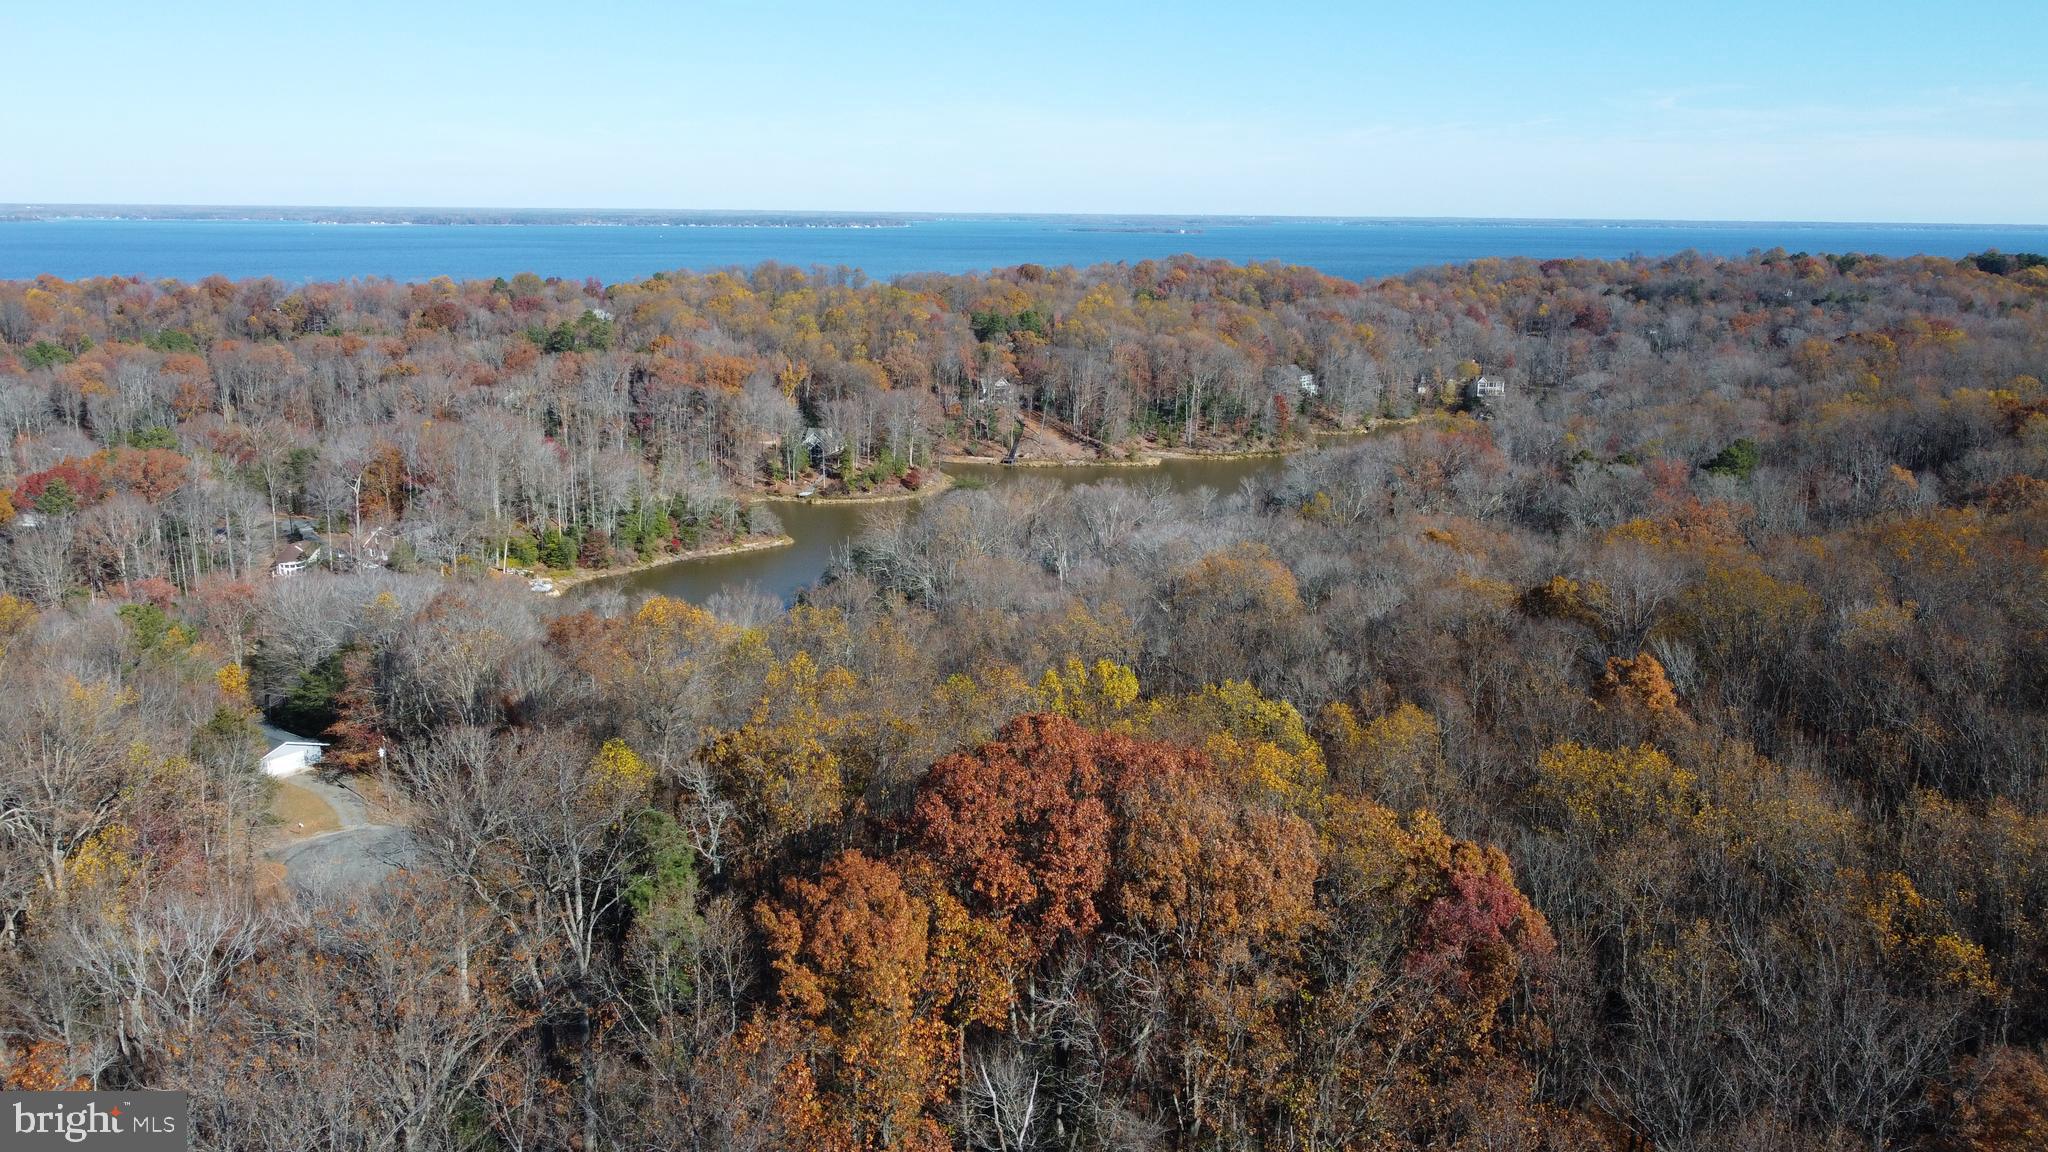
814,525
936,482
578,576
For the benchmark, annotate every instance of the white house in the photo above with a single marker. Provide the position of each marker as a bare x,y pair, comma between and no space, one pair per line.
295,557
289,754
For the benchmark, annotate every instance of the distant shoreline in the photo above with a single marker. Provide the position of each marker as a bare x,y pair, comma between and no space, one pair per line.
1137,222
416,245
440,217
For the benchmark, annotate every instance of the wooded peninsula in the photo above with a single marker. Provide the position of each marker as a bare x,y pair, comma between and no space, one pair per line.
1636,741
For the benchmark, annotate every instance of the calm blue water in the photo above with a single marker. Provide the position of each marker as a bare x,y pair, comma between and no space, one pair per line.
297,252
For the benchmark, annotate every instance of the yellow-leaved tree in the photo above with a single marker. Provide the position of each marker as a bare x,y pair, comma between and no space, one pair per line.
617,775
1609,794
1262,745
782,769
1397,758
1102,696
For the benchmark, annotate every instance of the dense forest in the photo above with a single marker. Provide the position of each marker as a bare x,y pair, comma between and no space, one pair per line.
1648,755
529,420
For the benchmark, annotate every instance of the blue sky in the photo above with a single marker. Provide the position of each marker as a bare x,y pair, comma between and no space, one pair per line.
1783,111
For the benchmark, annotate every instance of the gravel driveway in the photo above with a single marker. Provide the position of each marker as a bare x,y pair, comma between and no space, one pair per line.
356,856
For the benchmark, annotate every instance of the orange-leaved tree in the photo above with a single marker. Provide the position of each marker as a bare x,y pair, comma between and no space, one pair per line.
849,952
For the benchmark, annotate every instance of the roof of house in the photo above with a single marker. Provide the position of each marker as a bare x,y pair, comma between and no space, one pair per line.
275,737
296,550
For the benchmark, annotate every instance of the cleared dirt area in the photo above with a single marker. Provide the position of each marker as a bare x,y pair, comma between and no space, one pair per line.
1041,442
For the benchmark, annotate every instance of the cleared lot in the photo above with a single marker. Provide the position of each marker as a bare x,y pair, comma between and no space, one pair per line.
341,852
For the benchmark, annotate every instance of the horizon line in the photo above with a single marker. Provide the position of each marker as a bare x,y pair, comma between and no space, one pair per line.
71,210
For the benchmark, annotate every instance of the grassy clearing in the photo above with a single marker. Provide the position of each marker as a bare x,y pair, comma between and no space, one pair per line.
300,813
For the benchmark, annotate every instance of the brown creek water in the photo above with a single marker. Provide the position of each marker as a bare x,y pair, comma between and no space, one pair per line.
822,528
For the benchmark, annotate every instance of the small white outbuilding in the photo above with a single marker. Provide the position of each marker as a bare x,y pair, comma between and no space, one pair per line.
289,754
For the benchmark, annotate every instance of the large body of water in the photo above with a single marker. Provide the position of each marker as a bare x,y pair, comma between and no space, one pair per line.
298,251
822,529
